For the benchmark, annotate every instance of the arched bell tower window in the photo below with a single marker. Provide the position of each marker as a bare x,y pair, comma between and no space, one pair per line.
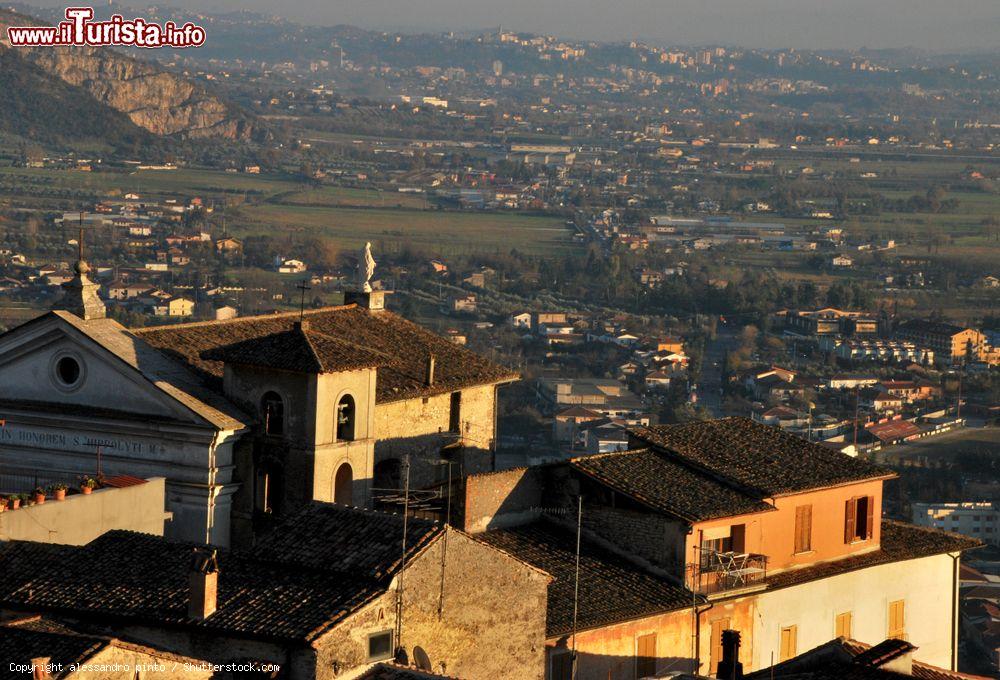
345,418
343,485
272,411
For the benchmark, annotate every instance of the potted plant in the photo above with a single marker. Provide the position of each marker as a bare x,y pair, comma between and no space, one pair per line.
15,501
87,484
3,504
58,491
38,495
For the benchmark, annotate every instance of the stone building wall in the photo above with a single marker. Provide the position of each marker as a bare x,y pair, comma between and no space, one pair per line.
421,427
473,612
501,499
647,535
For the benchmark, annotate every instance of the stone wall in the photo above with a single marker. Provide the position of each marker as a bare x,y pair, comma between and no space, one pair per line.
647,535
473,612
420,427
501,499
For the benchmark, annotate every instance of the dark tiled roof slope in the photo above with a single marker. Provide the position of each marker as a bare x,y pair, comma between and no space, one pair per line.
19,560
922,671
611,588
129,576
667,485
763,460
20,646
292,587
407,345
298,349
333,538
900,542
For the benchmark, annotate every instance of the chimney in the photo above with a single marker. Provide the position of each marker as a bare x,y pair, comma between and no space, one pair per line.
203,584
429,378
40,668
730,667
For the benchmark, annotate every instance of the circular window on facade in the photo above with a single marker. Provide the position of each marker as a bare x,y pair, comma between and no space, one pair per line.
68,371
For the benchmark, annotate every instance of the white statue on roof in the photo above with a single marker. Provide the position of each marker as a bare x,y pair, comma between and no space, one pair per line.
366,268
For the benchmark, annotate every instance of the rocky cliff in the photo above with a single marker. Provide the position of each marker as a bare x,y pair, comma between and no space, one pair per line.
154,99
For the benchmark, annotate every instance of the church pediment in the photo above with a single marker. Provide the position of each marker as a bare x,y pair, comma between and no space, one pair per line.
61,359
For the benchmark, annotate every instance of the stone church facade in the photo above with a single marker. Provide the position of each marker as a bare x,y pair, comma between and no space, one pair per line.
246,418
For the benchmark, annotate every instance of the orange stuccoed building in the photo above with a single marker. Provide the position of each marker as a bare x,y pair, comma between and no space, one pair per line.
712,526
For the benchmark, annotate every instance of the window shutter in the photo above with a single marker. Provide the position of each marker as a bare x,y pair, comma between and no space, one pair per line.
844,625
803,528
718,626
871,517
645,662
787,650
738,538
849,520
897,620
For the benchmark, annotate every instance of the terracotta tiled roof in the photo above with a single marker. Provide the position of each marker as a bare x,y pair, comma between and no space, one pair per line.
279,591
922,671
667,485
408,346
765,461
900,542
299,349
611,588
338,539
893,430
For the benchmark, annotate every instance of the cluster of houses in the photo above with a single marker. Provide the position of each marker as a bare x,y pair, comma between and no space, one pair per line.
875,412
592,414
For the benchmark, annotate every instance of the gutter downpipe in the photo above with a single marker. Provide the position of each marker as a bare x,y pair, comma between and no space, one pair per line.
696,623
955,559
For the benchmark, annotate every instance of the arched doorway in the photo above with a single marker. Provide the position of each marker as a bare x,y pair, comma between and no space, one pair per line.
343,485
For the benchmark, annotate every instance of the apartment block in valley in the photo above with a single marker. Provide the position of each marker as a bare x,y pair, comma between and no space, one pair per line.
951,344
713,526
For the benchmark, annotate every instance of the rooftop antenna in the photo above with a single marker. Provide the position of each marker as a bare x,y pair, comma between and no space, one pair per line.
302,301
576,584
400,650
79,238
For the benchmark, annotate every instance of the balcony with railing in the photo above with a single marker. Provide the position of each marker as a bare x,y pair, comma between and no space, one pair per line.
714,572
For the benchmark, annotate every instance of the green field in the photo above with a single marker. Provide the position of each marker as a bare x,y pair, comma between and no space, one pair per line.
448,232
282,204
330,196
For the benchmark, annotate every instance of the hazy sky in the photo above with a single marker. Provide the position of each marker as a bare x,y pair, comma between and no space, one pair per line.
932,24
